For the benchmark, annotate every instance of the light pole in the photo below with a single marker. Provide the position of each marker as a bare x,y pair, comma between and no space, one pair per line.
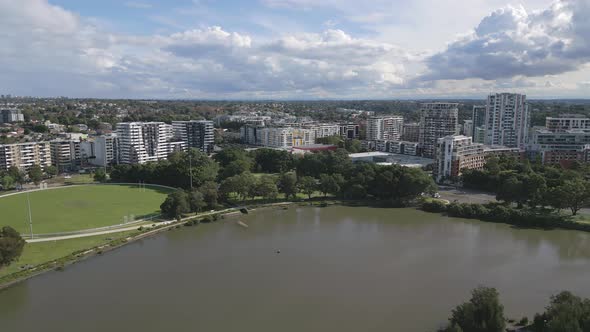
190,167
30,217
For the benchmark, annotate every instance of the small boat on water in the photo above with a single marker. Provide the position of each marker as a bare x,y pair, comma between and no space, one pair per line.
243,224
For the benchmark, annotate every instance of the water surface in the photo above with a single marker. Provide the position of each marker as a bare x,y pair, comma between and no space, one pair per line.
339,269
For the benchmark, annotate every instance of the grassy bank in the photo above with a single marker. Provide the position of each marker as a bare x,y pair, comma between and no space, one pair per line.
82,207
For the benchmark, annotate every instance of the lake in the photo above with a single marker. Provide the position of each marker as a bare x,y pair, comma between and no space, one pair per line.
339,269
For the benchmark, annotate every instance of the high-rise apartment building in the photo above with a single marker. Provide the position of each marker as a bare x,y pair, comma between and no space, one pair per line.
411,132
478,119
141,142
507,120
387,128
198,134
25,155
437,120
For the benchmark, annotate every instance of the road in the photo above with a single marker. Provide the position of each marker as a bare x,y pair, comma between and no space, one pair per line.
462,195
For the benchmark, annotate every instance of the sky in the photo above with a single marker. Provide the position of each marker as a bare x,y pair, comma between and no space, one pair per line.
294,49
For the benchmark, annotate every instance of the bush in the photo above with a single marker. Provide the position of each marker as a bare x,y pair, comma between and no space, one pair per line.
434,206
207,219
524,321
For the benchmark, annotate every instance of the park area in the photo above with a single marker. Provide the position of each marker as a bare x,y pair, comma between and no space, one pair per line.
74,208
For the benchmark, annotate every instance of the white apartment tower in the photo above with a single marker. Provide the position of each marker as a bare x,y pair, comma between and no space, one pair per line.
507,120
141,142
437,120
197,134
389,128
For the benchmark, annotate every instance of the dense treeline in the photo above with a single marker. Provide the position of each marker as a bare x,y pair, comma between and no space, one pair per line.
533,185
494,212
231,172
485,313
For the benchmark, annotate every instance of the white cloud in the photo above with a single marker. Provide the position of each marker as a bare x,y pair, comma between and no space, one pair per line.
512,42
47,50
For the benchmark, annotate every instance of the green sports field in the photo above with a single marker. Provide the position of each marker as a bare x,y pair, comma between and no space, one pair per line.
77,208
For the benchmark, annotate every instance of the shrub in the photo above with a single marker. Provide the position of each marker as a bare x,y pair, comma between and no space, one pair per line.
434,206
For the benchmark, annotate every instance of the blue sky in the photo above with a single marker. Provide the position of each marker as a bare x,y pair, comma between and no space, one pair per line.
285,49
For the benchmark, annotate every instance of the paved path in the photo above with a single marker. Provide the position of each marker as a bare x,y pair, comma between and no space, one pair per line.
466,195
123,229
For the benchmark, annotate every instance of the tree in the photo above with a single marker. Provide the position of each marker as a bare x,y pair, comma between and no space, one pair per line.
210,194
272,161
511,190
576,194
7,182
176,204
236,167
16,174
51,171
241,185
566,312
307,185
36,174
483,312
100,175
288,185
267,188
197,201
11,245
328,185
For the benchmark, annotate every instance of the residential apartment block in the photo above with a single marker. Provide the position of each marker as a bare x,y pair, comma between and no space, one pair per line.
456,153
562,146
25,155
349,130
437,120
507,120
411,132
567,122
284,137
102,150
385,128
197,134
141,142
11,115
66,155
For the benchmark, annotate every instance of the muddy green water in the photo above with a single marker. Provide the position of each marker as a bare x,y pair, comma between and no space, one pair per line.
339,269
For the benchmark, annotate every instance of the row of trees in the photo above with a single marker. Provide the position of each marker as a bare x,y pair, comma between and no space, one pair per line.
196,200
177,171
13,177
484,313
519,182
328,173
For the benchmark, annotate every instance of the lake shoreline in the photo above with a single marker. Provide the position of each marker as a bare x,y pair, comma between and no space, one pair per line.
73,258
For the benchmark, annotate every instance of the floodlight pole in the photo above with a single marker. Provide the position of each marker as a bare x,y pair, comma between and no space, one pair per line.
30,217
190,167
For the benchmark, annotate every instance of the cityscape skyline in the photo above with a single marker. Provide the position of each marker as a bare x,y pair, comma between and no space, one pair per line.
294,49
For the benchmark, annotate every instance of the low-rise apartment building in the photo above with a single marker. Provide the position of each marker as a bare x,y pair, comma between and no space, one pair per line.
456,153
25,155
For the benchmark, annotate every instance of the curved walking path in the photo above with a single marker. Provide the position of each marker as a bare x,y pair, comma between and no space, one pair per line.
123,229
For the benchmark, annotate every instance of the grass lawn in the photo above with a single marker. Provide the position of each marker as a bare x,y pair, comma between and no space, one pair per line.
42,252
77,208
